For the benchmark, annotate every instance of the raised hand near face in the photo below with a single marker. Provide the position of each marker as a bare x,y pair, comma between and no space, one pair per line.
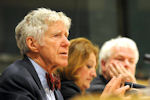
115,68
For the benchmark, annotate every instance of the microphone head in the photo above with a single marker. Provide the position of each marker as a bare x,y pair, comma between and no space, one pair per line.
134,85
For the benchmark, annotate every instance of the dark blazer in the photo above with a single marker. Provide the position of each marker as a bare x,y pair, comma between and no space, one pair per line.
97,85
69,89
19,81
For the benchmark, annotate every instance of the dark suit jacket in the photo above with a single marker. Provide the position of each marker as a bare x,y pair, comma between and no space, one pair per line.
19,81
97,85
69,89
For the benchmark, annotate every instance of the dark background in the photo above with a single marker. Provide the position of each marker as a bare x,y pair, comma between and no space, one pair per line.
97,20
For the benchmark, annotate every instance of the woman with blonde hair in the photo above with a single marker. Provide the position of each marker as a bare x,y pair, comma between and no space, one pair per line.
81,69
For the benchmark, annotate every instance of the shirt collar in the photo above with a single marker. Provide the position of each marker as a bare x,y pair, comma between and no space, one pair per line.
41,73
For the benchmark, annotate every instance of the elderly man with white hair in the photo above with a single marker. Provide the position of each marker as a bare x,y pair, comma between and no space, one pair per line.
118,56
42,37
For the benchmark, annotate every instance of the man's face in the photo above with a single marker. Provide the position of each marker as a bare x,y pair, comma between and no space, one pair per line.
54,48
122,60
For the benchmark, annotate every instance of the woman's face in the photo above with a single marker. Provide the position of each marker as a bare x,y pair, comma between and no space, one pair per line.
87,72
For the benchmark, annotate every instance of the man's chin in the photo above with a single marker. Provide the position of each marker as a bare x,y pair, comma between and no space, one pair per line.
64,64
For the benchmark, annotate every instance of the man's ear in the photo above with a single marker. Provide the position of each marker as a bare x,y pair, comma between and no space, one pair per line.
103,67
32,44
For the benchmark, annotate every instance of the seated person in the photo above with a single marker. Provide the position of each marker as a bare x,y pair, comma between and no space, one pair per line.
81,69
117,56
42,40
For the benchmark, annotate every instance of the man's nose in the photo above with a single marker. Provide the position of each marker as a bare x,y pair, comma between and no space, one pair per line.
127,63
66,42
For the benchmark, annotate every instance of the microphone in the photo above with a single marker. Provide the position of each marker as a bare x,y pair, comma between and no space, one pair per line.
134,85
146,58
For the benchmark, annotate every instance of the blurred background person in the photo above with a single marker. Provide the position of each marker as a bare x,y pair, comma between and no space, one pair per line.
117,56
81,69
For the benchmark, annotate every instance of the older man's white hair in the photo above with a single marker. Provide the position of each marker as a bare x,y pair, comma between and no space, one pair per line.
106,49
36,24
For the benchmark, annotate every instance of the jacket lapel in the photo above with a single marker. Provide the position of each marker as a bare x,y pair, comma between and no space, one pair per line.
32,71
58,95
28,65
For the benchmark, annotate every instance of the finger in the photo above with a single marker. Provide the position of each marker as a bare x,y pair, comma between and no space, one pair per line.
131,79
113,70
123,69
123,72
128,76
121,91
111,74
112,86
118,68
109,84
116,83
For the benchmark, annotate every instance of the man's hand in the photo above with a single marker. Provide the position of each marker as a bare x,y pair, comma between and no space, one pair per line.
115,87
116,68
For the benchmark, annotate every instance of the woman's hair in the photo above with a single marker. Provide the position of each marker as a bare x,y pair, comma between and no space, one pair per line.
79,52
35,24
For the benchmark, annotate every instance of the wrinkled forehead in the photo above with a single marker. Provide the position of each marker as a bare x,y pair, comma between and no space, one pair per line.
58,27
124,52
51,22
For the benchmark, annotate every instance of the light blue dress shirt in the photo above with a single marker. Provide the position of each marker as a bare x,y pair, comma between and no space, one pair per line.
41,74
